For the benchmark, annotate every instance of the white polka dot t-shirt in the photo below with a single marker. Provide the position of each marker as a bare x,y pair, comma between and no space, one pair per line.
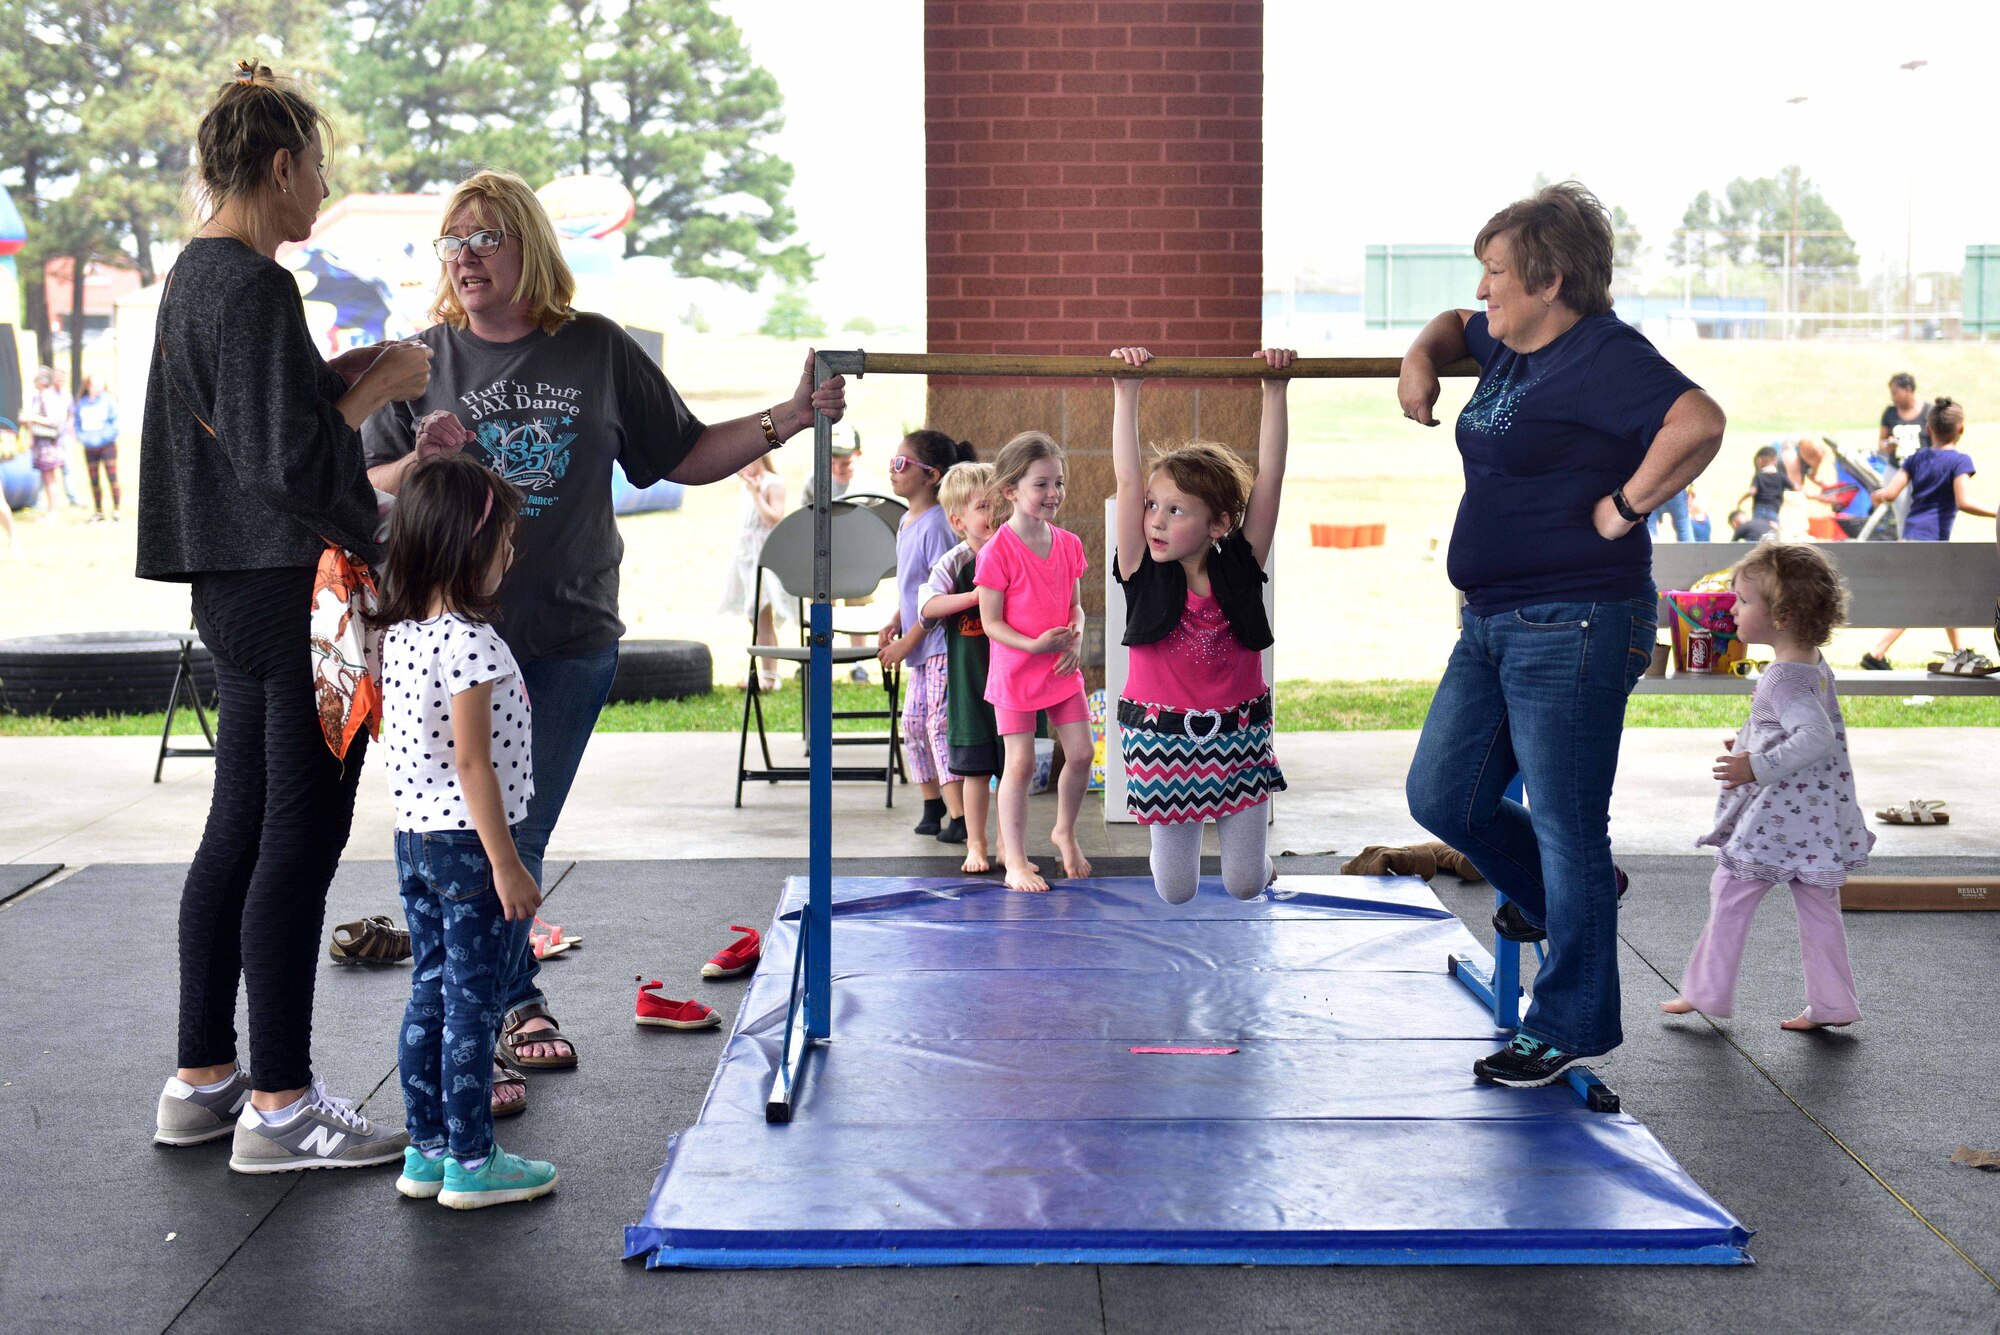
424,664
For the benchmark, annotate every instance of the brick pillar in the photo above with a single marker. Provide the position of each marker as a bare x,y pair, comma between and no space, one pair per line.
1095,178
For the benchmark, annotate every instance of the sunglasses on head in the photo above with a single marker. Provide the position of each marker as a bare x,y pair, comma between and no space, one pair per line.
482,243
903,463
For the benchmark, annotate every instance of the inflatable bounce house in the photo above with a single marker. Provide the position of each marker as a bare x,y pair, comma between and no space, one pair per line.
17,478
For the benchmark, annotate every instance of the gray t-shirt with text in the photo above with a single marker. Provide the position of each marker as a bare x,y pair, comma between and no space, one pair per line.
550,412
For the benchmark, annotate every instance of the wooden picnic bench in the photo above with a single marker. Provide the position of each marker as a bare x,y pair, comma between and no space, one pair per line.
1914,584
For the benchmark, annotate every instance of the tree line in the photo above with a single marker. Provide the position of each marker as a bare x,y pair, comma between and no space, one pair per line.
102,98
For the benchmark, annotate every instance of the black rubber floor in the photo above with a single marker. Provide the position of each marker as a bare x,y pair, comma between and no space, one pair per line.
103,1231
18,876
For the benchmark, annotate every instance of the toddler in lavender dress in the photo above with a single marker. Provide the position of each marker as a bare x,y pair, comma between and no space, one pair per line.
1787,813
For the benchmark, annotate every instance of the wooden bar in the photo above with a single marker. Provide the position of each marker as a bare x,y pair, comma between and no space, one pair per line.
1160,368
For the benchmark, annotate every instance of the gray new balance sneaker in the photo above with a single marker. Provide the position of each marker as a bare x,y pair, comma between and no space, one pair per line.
326,1133
188,1116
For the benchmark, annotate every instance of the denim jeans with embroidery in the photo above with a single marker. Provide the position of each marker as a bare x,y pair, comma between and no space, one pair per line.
1540,692
463,958
567,694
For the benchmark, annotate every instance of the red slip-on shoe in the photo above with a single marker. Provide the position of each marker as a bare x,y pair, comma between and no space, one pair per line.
663,1012
738,957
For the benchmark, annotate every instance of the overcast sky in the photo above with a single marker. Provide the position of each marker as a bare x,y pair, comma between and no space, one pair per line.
1413,124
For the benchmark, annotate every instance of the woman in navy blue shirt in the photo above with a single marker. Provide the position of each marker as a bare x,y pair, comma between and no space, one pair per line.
1578,429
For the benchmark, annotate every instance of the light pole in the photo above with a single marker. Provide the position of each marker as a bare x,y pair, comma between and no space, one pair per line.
1792,237
1909,227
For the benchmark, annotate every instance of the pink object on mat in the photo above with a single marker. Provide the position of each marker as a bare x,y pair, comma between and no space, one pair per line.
1188,1052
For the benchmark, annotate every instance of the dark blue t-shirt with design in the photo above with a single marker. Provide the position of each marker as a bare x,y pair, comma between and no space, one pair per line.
1544,437
1934,475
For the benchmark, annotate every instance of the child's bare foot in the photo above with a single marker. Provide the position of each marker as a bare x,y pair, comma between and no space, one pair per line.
1677,1007
975,859
1075,865
1021,876
1800,1024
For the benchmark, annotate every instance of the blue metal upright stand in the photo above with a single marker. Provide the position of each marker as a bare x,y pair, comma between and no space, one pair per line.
1500,992
810,1015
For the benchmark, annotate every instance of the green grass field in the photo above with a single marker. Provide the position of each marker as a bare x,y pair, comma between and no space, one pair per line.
1303,706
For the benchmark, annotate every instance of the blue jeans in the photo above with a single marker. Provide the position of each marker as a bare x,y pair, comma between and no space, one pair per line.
565,696
1675,508
1540,692
463,951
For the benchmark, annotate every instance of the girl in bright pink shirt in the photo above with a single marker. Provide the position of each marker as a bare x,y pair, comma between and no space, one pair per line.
1195,721
1032,608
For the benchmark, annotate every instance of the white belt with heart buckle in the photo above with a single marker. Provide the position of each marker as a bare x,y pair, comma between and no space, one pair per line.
1213,717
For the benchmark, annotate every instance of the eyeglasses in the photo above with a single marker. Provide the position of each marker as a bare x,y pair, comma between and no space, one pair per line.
903,463
482,244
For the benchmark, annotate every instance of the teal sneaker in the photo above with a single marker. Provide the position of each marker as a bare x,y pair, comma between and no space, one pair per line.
422,1178
501,1179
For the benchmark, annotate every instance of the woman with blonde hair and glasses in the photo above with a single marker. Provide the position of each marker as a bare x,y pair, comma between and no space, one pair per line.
548,397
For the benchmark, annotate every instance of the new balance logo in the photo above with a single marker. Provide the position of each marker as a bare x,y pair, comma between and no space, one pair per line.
323,1141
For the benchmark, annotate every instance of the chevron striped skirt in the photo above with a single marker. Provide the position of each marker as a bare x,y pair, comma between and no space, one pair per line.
1172,776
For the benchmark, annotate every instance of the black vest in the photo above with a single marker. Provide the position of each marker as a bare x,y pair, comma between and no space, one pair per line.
1156,595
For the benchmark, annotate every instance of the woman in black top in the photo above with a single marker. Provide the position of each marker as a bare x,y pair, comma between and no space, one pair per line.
1905,421
252,464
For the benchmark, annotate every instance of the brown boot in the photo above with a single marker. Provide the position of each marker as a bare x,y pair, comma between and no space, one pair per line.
1380,860
1455,863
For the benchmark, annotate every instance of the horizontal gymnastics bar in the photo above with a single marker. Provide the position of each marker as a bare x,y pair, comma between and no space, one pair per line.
860,363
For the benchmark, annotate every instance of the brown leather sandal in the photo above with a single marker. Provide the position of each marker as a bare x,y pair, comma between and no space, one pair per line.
371,940
503,1074
512,1039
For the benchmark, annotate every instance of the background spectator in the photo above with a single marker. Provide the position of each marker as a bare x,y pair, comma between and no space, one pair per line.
1935,479
94,416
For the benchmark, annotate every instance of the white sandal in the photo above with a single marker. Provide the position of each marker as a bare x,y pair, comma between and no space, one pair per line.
1965,663
1916,811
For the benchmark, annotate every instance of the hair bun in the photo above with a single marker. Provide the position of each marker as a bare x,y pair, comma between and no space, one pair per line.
252,73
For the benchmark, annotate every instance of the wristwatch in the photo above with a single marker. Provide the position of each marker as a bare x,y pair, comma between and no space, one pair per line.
770,430
1625,509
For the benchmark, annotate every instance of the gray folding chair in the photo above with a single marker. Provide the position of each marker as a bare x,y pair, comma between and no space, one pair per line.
864,548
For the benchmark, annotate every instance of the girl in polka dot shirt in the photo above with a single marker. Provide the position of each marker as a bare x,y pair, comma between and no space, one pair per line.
455,725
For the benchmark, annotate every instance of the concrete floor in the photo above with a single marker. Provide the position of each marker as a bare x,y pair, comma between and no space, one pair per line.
103,1231
669,795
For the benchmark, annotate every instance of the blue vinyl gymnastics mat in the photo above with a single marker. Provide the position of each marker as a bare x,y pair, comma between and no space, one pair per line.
980,1102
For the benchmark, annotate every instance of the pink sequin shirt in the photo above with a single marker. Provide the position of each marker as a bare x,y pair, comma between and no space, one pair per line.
1199,665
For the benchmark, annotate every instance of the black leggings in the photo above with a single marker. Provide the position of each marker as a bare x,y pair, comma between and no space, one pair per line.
106,458
256,895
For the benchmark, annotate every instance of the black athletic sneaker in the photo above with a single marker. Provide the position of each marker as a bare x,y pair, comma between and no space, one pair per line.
933,816
1877,664
1526,1063
952,831
1511,923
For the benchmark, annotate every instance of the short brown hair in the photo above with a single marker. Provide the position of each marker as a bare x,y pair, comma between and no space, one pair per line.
1946,422
1561,231
248,120
1016,457
504,200
1801,585
1213,474
452,513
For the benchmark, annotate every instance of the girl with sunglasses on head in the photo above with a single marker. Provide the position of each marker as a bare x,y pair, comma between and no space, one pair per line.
915,470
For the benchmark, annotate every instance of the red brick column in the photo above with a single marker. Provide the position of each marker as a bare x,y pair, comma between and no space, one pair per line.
1095,178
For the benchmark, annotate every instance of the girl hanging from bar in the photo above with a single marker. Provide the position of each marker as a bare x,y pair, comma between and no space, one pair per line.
1195,722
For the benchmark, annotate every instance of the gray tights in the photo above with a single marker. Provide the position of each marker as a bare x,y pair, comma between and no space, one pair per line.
1177,856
